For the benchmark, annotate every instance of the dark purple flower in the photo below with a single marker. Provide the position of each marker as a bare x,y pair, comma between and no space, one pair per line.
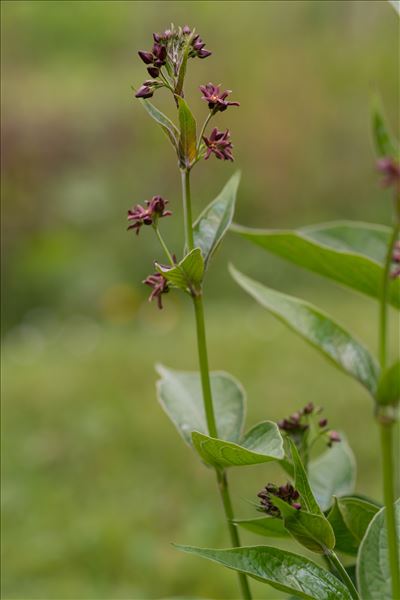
155,209
323,422
287,493
215,98
198,48
159,285
147,57
333,437
153,71
156,57
145,91
390,170
308,409
220,144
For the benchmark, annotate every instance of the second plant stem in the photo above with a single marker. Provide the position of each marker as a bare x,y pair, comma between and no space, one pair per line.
206,382
333,559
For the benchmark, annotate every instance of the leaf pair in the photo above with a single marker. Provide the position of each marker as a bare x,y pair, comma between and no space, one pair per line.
180,395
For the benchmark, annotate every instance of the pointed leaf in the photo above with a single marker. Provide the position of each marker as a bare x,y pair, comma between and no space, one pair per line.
261,444
182,68
301,482
350,518
214,221
373,572
167,126
384,144
187,140
347,252
345,540
282,570
389,386
333,473
188,274
180,395
317,328
312,531
266,526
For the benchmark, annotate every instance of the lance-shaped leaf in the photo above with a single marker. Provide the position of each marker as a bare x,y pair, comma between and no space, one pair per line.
180,395
261,444
347,252
317,328
188,274
373,571
301,482
265,526
187,139
350,518
312,531
333,473
280,569
166,124
389,385
182,67
214,221
384,143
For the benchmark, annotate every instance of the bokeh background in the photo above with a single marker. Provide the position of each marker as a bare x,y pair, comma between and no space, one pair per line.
96,483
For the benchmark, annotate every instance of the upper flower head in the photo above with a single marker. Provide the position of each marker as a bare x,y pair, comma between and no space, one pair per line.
220,144
215,98
159,285
390,170
287,493
139,215
147,88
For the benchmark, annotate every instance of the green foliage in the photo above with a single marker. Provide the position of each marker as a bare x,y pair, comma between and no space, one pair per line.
180,395
333,473
166,124
187,139
188,273
282,570
349,253
317,328
211,226
384,144
263,443
389,385
302,484
265,526
373,572
350,517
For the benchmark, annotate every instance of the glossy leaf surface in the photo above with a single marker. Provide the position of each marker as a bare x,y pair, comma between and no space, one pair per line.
266,526
349,253
333,473
188,273
302,484
261,444
350,518
318,329
282,570
180,395
373,572
214,221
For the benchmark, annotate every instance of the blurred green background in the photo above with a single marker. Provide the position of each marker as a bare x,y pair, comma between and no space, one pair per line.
96,483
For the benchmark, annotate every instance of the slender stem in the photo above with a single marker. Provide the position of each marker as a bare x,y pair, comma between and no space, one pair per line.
345,577
383,313
386,430
164,245
210,114
212,430
187,209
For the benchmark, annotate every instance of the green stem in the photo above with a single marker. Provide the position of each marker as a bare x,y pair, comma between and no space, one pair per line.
212,430
203,130
386,430
164,245
187,209
383,313
345,577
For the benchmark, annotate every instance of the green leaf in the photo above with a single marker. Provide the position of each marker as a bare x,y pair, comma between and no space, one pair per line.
373,572
347,252
345,540
301,482
266,526
389,386
317,328
187,139
282,570
350,518
180,395
167,126
333,473
312,531
384,144
261,444
182,68
214,221
188,274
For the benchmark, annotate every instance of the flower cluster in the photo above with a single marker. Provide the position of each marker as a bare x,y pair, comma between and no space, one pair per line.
168,52
297,425
215,98
390,170
287,493
219,143
155,209
160,286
